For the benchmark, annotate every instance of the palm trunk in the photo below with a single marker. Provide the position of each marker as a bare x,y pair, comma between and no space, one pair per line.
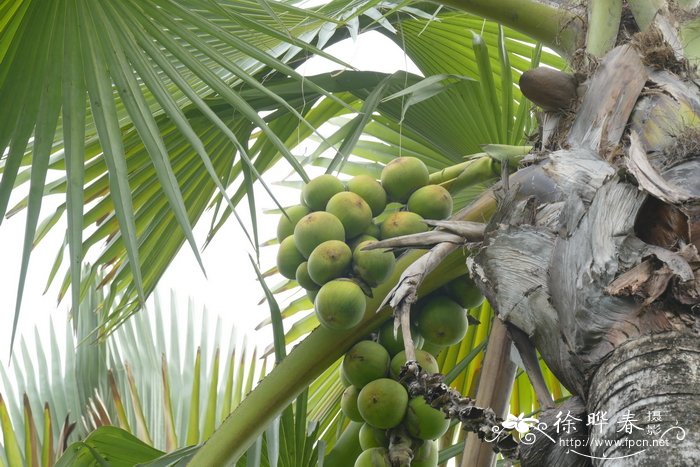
603,272
655,381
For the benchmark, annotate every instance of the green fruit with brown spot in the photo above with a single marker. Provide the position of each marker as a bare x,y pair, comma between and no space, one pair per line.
424,422
426,455
402,223
426,361
371,437
318,191
340,304
402,176
329,261
393,343
303,278
372,266
289,258
441,320
464,291
348,404
431,202
316,228
354,213
365,362
374,457
383,403
286,224
371,191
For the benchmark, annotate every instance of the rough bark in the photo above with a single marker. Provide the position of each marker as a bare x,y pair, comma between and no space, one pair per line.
600,269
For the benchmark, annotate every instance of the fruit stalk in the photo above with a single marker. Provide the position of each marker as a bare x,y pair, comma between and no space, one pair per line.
480,420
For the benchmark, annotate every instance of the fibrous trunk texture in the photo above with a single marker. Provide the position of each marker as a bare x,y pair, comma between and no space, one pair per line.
598,268
649,391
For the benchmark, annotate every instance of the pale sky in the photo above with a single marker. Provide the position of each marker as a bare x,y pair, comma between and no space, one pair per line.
231,290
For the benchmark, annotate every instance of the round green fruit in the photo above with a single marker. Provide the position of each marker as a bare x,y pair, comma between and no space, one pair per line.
286,224
402,223
383,403
432,349
353,212
340,304
359,239
431,202
312,295
424,422
304,279
318,191
329,261
348,404
402,176
372,266
289,258
426,455
374,457
365,362
393,343
316,228
441,320
464,291
371,437
426,361
343,379
373,230
371,191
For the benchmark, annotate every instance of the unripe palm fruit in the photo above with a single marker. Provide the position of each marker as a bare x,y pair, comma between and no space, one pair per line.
340,304
431,202
371,191
424,422
371,437
426,361
289,258
393,343
464,291
312,295
383,403
353,212
402,223
316,228
365,362
426,455
403,176
441,320
329,261
318,191
432,349
359,239
348,404
286,224
343,379
304,279
372,266
374,457
372,230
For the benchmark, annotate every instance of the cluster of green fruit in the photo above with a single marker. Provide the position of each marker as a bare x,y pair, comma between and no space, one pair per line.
373,395
322,239
370,372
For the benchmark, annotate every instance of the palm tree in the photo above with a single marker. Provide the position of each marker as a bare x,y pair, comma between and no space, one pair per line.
163,106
